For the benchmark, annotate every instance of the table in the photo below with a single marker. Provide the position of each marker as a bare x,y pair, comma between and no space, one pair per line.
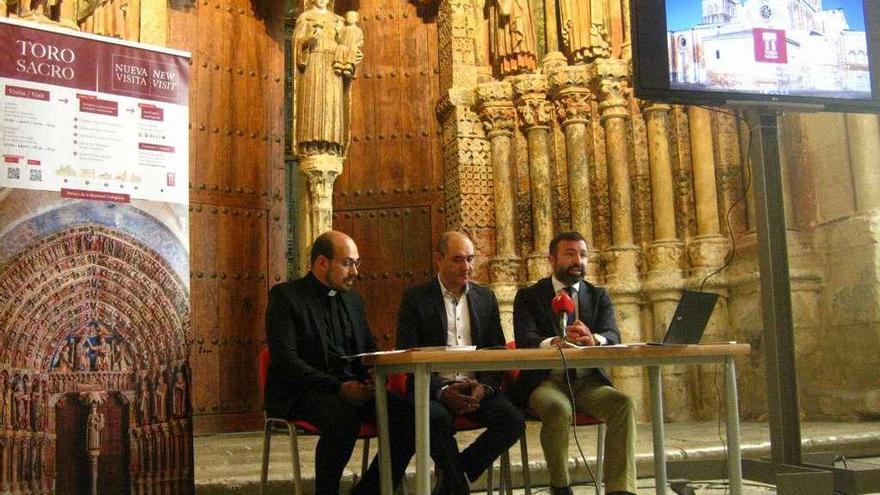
421,363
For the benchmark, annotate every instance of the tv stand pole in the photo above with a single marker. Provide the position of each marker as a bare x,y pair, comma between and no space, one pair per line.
785,468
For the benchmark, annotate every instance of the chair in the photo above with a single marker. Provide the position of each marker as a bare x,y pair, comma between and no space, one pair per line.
580,419
294,428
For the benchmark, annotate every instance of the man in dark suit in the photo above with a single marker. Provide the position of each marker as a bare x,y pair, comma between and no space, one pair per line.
547,394
453,311
312,324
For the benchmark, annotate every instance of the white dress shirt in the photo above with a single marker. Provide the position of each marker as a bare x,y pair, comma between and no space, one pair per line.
458,326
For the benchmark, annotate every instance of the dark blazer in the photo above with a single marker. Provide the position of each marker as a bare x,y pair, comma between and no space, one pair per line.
421,322
297,337
534,321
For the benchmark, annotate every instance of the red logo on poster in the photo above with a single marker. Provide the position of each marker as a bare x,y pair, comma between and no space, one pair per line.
169,178
770,46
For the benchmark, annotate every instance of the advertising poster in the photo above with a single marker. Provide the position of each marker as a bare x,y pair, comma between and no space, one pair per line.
91,118
95,321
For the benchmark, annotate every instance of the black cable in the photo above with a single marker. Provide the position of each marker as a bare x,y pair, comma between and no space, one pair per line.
574,420
748,180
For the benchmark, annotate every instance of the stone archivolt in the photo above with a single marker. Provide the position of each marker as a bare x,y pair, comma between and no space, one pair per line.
92,313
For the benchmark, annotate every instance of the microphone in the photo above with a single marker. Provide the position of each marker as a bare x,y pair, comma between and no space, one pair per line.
562,305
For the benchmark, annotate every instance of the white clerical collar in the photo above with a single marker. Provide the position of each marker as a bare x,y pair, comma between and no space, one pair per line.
331,293
558,286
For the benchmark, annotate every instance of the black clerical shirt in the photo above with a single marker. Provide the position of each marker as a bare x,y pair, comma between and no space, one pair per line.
338,332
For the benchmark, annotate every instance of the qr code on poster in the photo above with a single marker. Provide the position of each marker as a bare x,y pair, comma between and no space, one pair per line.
13,173
36,175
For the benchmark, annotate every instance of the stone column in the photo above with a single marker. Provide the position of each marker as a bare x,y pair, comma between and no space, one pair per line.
4,460
15,440
708,249
622,258
863,138
318,172
94,427
498,115
570,87
664,280
536,114
622,263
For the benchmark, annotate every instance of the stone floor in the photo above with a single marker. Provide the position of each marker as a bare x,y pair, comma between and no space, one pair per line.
230,464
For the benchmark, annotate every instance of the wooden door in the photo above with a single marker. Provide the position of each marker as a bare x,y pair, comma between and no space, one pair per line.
237,197
389,197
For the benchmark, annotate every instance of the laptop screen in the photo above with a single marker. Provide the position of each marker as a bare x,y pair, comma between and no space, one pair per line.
690,318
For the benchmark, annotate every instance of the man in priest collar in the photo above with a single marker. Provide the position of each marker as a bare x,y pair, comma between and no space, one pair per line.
451,310
546,393
312,324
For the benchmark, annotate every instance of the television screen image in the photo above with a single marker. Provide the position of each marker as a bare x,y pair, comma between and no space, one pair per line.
801,51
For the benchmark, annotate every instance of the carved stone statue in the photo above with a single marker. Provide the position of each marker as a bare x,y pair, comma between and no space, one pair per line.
102,354
144,402
350,49
322,118
64,365
121,358
22,417
96,424
178,403
160,407
83,360
38,407
321,95
512,37
5,400
583,38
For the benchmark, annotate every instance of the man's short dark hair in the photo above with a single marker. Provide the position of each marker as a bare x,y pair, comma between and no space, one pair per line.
571,235
323,246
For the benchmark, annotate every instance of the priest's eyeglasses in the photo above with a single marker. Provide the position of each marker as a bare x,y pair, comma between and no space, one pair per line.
349,263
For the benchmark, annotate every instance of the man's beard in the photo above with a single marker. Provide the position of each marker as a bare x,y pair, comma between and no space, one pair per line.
568,278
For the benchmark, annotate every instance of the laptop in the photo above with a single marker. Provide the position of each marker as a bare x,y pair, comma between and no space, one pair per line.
690,318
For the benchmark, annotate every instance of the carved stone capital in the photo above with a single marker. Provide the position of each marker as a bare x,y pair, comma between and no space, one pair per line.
664,261
453,98
530,93
535,113
707,252
496,92
574,106
320,172
529,86
612,79
495,107
569,76
504,270
537,266
622,267
573,97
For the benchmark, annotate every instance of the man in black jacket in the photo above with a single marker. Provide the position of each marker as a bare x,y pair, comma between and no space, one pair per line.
453,311
312,325
547,394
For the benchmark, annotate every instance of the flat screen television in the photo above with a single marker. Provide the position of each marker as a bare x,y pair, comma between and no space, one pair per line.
801,54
